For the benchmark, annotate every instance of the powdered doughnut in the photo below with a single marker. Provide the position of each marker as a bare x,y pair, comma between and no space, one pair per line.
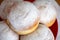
6,33
23,17
47,12
41,33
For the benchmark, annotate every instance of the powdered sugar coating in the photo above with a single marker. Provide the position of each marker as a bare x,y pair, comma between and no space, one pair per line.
4,7
47,11
42,33
6,33
23,15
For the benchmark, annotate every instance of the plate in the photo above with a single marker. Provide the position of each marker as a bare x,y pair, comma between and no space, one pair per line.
54,28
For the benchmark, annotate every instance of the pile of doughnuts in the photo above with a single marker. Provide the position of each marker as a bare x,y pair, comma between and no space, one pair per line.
23,20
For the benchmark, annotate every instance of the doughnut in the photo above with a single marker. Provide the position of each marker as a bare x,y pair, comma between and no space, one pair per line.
23,17
47,12
6,4
6,33
41,33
